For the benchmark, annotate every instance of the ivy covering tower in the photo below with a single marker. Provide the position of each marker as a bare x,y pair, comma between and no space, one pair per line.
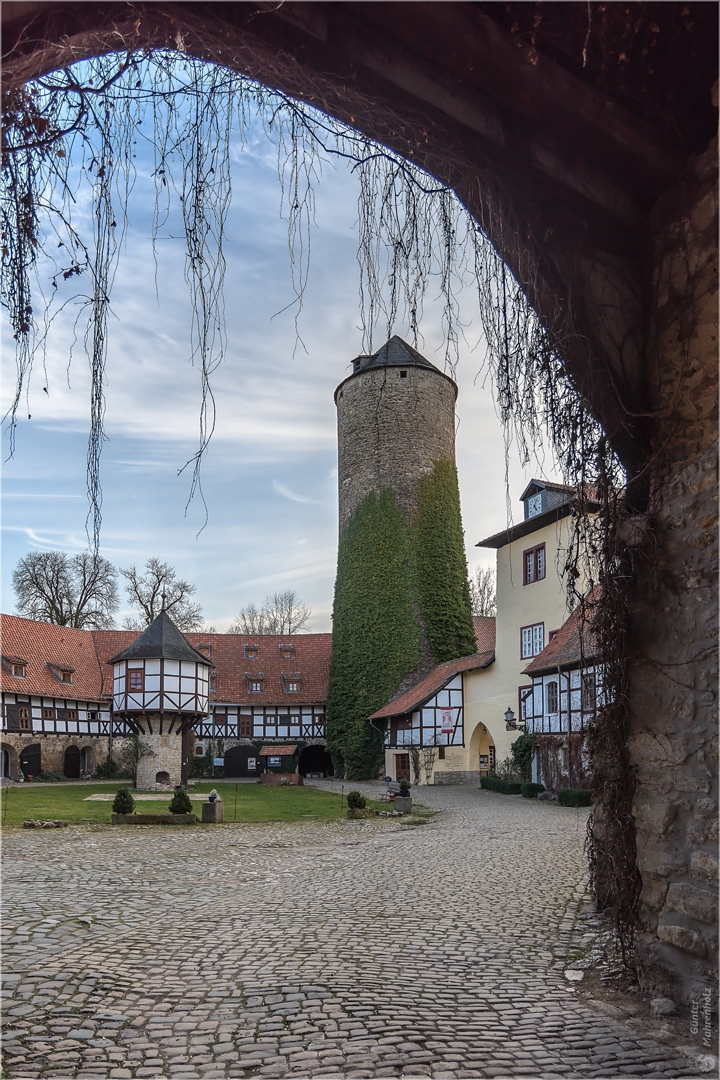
402,600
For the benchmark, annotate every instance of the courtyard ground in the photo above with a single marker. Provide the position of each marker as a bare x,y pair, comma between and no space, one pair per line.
366,948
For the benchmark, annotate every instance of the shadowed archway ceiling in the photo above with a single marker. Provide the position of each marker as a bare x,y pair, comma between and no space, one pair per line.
577,117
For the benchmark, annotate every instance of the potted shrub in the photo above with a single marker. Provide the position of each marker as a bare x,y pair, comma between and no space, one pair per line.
405,786
213,795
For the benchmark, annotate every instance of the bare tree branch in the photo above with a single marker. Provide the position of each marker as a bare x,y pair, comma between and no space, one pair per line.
78,590
145,592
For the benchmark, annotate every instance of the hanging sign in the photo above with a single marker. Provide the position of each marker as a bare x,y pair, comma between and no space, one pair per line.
447,721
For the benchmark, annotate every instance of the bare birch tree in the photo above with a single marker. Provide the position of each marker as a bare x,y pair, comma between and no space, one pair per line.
68,590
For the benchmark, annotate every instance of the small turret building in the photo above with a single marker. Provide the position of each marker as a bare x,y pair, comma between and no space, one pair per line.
161,690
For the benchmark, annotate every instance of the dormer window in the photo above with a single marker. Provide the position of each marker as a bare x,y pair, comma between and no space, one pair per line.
62,674
251,652
292,683
16,666
205,650
255,683
287,650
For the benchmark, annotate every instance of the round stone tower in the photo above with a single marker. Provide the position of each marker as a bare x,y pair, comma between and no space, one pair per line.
396,416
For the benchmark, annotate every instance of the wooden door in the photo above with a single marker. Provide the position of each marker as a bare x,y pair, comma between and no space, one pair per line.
402,766
72,763
31,760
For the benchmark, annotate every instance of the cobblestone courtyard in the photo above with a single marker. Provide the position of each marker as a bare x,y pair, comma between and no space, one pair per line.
367,949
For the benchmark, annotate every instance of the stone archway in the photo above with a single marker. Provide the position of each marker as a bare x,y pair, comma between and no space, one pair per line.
482,750
314,760
71,765
610,185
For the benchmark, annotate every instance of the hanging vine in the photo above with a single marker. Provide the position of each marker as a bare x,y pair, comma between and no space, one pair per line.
81,126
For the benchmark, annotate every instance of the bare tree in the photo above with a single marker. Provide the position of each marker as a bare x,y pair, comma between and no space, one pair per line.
281,613
146,591
483,594
68,590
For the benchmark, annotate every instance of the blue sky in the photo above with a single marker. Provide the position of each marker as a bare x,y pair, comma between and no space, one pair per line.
270,473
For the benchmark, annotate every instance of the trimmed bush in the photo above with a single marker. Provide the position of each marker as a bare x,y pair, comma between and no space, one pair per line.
355,800
180,803
504,787
531,791
123,802
574,796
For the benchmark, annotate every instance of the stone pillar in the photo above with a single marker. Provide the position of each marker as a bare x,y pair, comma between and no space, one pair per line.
164,761
673,669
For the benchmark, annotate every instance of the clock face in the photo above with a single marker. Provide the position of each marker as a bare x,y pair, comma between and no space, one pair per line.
534,505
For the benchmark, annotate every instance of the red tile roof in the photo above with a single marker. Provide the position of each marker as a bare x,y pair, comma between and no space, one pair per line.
277,751
227,652
484,632
44,647
433,682
574,641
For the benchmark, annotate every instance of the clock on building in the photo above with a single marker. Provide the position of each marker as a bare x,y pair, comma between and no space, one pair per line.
535,505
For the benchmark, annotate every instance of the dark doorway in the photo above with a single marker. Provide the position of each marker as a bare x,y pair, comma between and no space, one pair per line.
6,762
72,763
315,760
402,766
242,761
31,760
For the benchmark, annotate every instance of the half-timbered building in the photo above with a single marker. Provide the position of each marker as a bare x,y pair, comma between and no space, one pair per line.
69,697
566,691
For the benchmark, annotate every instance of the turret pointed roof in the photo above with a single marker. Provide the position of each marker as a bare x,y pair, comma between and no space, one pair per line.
394,353
161,639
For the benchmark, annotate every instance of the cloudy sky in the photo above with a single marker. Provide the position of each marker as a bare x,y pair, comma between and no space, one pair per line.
270,474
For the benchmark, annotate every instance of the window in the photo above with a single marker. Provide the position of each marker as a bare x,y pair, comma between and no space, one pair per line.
291,683
525,702
251,652
220,719
532,640
204,649
19,671
135,679
588,693
255,683
48,714
66,676
93,714
293,688
24,718
274,762
71,714
245,726
199,751
534,564
551,698
403,374
287,651
441,753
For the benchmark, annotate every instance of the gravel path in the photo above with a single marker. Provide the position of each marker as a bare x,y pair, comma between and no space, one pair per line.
348,949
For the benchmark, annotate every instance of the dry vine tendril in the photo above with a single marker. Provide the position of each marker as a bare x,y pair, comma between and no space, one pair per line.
81,126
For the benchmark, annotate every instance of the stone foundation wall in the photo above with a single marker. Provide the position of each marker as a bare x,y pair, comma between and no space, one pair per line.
673,666
457,776
166,758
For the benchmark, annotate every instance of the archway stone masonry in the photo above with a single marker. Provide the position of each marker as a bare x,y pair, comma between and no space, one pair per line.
673,688
576,175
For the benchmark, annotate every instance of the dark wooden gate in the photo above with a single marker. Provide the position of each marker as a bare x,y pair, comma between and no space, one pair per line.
72,763
242,761
31,760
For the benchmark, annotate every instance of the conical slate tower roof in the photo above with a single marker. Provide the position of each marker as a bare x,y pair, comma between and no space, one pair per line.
394,353
161,639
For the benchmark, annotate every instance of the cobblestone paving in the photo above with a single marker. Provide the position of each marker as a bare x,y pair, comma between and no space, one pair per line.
346,949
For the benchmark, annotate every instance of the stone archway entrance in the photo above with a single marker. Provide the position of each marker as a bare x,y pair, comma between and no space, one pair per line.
31,760
72,763
315,761
608,183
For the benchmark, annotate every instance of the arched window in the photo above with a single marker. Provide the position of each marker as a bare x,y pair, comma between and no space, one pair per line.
551,698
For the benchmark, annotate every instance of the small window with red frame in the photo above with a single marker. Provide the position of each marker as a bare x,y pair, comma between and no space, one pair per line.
534,564
135,679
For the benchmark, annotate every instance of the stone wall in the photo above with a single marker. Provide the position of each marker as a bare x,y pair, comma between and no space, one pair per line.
165,758
460,776
673,671
53,747
390,431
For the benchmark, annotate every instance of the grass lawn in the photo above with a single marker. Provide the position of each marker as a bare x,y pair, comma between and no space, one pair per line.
255,802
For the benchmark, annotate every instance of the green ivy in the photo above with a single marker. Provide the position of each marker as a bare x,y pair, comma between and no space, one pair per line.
522,751
375,632
440,567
